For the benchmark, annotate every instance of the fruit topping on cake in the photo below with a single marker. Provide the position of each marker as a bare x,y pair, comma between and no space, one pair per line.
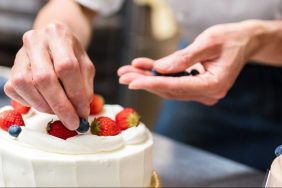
97,104
104,126
83,125
58,129
19,107
14,130
9,118
127,118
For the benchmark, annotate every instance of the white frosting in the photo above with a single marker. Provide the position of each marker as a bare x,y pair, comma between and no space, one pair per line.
38,159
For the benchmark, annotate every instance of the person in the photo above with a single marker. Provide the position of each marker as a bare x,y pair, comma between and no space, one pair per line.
53,73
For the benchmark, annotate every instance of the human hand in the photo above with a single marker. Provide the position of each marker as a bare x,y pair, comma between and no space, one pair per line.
53,73
220,51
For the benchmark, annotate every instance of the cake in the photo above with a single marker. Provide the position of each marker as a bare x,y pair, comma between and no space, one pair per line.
36,159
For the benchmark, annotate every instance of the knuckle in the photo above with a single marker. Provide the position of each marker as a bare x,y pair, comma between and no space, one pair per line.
67,66
20,81
28,36
91,69
60,108
55,27
8,89
43,79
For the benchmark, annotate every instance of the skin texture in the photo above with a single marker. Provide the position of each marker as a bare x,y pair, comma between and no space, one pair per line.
220,52
52,72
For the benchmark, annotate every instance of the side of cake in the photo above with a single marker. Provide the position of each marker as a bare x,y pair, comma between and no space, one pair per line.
37,159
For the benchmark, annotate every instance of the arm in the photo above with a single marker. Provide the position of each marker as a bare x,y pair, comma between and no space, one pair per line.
266,41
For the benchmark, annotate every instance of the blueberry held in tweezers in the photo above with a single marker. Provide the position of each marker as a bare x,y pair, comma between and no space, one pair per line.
83,125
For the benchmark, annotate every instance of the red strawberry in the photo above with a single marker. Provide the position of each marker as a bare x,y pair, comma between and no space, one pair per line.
127,118
58,129
10,117
19,107
104,126
97,104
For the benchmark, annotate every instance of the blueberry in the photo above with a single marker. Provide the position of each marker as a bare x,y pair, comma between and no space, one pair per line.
14,130
83,125
155,73
278,150
179,74
194,72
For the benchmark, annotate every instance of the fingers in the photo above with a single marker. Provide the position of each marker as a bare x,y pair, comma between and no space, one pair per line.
67,68
198,51
21,84
128,68
143,63
46,81
10,92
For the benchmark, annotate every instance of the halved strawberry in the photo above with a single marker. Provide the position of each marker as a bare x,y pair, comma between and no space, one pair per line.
127,118
104,126
58,129
97,104
19,107
9,118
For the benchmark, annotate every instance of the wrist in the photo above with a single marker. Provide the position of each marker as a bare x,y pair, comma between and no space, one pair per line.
260,34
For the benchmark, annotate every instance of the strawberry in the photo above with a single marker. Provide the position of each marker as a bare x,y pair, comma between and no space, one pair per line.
104,126
97,104
19,107
127,118
9,118
58,129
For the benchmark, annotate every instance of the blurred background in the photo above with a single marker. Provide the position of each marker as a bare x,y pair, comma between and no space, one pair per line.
117,39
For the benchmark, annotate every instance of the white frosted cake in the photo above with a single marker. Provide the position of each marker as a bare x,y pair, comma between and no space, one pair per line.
37,159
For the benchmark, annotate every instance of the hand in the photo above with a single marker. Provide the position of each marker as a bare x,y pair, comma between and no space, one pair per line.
221,52
53,73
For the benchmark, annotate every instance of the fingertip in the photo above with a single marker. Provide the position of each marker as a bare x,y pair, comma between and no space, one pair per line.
71,123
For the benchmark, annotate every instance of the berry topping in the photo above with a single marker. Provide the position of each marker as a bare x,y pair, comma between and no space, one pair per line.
104,126
83,125
127,118
9,118
14,130
19,107
278,150
58,129
97,104
194,72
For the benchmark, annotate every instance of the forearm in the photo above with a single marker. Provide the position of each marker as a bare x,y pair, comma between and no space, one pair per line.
266,41
68,12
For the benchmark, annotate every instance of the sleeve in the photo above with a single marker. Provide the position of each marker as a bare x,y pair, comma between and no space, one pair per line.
104,7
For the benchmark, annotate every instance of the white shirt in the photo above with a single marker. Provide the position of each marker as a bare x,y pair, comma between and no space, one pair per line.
194,16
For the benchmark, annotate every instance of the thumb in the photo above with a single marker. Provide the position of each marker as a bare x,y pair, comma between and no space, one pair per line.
180,60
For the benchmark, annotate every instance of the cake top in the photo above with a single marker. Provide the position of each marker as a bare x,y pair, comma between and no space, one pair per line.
112,128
